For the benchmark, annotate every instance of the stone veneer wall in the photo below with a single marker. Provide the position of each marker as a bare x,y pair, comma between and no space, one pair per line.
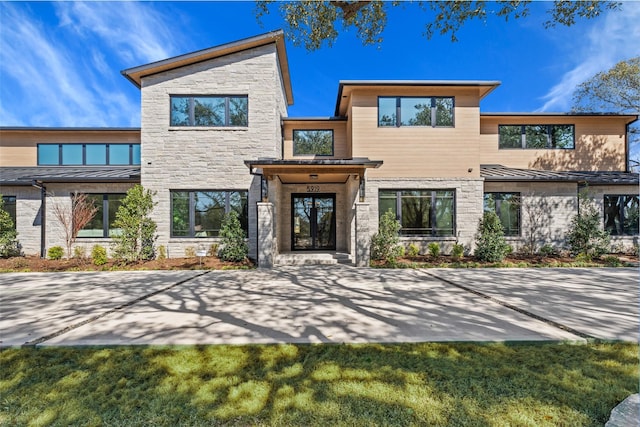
204,158
468,206
27,216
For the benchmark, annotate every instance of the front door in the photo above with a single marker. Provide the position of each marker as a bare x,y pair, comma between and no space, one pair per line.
313,222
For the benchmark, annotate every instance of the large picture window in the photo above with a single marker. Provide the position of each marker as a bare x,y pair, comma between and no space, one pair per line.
200,213
88,154
536,136
415,111
9,205
213,111
102,223
507,207
421,212
313,142
621,214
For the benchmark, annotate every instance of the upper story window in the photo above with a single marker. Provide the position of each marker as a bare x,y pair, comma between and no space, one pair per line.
88,154
396,111
536,136
213,111
313,142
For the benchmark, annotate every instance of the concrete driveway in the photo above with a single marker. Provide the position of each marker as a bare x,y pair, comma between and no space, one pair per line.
318,304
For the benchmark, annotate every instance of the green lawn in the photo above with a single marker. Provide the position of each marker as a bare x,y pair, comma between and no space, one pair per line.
405,384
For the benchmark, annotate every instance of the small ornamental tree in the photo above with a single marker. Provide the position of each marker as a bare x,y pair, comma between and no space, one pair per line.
586,236
8,236
234,246
136,236
384,244
74,217
491,245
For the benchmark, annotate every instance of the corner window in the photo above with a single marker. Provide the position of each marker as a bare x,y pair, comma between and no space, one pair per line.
536,136
102,223
621,215
313,142
415,111
421,212
200,213
9,205
507,207
212,111
88,154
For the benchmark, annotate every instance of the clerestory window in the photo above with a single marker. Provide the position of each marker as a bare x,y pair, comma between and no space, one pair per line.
397,111
211,111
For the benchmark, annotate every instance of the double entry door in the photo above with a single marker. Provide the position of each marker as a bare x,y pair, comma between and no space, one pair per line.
313,222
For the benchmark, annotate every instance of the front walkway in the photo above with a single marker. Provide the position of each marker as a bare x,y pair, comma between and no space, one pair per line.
318,304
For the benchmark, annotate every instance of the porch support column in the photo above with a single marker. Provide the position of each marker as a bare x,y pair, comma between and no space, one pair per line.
363,240
266,233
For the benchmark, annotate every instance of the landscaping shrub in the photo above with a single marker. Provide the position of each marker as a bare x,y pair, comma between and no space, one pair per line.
413,250
384,244
612,261
189,252
162,252
80,252
138,231
457,251
586,236
98,255
55,252
234,246
9,245
548,250
213,250
434,249
491,245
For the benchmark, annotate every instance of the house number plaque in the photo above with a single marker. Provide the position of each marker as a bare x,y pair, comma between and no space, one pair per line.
313,188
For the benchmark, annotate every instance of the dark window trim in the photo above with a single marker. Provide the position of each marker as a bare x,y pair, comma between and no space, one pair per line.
192,210
105,214
433,111
84,153
293,140
550,142
620,213
499,201
191,98
11,200
432,210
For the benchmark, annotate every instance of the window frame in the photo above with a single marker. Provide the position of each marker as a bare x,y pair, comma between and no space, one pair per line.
498,202
551,141
293,141
620,214
192,211
432,210
13,213
191,118
105,215
107,145
433,115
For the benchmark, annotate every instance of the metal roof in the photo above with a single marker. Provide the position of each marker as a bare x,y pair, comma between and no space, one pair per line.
503,173
27,175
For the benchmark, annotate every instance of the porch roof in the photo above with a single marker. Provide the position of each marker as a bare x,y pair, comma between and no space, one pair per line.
27,175
275,166
503,174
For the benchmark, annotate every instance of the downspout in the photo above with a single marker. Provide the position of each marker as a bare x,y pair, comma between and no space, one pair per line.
43,217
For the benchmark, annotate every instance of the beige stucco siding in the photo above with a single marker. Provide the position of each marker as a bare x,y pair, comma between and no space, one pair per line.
599,144
19,147
340,147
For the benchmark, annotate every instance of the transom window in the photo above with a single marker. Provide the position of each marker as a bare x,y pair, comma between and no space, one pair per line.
421,212
399,111
313,142
621,214
102,223
507,207
9,205
200,213
88,154
536,136
214,111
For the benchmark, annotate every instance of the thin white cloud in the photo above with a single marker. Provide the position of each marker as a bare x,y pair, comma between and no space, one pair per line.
611,39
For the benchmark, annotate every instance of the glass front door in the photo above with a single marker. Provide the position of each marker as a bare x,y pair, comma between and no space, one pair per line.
313,222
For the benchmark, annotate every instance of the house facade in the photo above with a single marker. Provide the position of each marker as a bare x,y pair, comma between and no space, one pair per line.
215,137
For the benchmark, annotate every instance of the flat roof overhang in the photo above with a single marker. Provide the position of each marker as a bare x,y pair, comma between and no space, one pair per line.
331,169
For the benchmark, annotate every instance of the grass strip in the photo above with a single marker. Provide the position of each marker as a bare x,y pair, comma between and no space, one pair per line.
437,384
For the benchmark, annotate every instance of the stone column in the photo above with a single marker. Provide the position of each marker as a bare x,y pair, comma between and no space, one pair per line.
363,239
266,231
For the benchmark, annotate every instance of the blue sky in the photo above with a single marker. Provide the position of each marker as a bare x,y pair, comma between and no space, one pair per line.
60,62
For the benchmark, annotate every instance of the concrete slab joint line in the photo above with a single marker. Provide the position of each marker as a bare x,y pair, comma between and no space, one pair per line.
40,340
514,308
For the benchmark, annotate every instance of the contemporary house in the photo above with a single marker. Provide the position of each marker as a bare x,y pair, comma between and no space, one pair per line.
215,136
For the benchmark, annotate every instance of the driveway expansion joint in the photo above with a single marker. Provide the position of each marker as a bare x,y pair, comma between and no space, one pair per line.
549,322
34,343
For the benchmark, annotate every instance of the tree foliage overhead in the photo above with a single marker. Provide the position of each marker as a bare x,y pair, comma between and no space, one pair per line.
311,23
616,90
